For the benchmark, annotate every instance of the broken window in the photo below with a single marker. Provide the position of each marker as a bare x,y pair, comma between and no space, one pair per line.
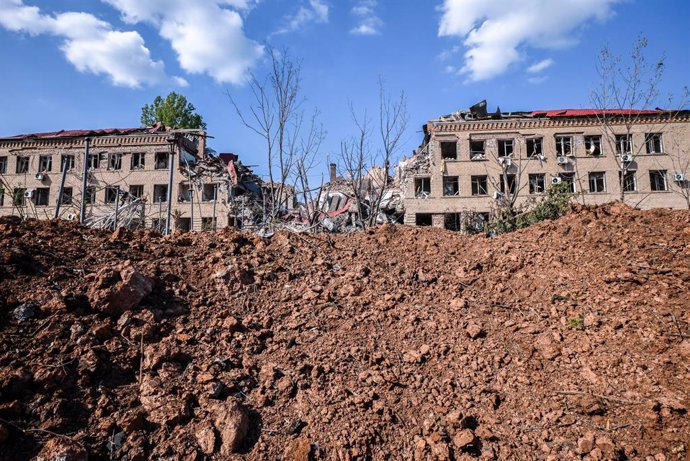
136,191
66,196
623,144
94,161
208,224
449,150
45,163
597,182
115,161
564,145
422,187
593,145
451,186
534,147
209,193
653,142
510,180
158,225
480,185
2,197
628,181
453,221
23,165
138,161
160,193
161,162
657,180
184,193
569,179
477,150
90,195
111,194
422,219
19,196
183,224
66,162
505,147
3,165
537,183
41,196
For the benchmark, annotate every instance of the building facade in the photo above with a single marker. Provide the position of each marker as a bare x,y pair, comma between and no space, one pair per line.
472,163
130,175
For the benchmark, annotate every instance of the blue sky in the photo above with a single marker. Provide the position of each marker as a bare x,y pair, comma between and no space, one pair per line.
71,64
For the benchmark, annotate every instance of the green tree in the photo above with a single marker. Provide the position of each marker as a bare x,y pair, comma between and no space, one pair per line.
174,111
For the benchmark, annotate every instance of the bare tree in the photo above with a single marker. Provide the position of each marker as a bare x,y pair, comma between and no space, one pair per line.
354,160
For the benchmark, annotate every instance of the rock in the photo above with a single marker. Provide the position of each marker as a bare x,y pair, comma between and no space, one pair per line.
298,450
591,405
285,386
232,422
464,439
474,330
606,445
425,349
548,347
132,421
585,444
25,312
119,289
206,438
60,449
160,407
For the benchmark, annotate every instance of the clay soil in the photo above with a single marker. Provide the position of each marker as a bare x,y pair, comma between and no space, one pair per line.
567,340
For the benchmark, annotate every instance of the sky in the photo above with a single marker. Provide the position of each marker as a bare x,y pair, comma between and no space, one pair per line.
87,64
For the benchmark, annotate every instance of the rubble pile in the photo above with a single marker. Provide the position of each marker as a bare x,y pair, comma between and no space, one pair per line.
567,340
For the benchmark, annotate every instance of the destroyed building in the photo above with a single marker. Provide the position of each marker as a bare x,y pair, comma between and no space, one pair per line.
136,177
472,160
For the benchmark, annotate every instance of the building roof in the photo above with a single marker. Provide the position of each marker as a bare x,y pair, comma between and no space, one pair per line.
87,133
591,112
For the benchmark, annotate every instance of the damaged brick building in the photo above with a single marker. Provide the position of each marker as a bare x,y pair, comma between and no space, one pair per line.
471,160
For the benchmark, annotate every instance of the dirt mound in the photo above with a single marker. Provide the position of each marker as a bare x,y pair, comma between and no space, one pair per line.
569,339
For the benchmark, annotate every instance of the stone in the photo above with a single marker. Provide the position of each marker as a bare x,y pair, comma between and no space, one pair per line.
119,289
298,450
206,438
132,421
60,449
232,422
585,444
474,330
463,439
25,312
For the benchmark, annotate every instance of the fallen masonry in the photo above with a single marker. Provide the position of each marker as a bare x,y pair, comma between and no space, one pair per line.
566,340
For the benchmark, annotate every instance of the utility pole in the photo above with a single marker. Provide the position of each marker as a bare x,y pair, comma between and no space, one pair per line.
62,186
84,174
171,161
117,205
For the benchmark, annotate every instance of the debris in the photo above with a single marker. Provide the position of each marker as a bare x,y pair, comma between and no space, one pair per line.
25,312
119,289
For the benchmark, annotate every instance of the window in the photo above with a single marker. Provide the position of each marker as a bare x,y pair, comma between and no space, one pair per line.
41,195
2,197
657,180
158,225
208,224
90,195
597,182
115,161
184,194
480,185
160,193
569,179
593,145
111,194
449,150
452,221
623,144
510,180
534,147
138,161
537,183
477,150
451,186
183,224
136,191
94,161
209,193
653,143
3,165
45,163
422,219
161,160
422,187
66,196
505,147
23,165
564,145
19,196
66,162
628,181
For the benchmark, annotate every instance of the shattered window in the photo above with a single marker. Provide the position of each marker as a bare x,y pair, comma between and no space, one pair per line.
477,150
208,224
657,179
67,161
422,187
534,147
160,193
136,191
23,165
209,193
505,147
158,225
597,181
628,181
111,194
90,195
66,196
161,162
537,183
115,161
41,195
183,224
480,185
569,179
653,142
138,161
94,161
449,150
510,180
2,197
593,145
564,145
45,163
3,165
451,186
623,144
422,219
453,221
19,196
184,193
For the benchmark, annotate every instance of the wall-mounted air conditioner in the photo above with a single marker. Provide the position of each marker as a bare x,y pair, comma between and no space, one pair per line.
626,158
679,177
29,193
562,160
556,180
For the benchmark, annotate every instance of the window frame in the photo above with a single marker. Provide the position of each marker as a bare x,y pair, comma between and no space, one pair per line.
569,178
451,180
157,198
70,162
23,163
511,179
474,181
621,140
204,196
48,161
533,186
131,191
622,181
663,174
503,144
444,154
115,161
111,194
140,164
44,193
67,196
561,145
477,154
536,141
592,179
649,139
19,197
588,141
156,161
3,164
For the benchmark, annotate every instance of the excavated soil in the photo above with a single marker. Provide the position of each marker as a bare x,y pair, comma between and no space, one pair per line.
567,340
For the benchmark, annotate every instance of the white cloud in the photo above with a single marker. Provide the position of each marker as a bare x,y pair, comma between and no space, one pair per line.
496,31
207,37
90,44
368,22
540,66
537,80
315,11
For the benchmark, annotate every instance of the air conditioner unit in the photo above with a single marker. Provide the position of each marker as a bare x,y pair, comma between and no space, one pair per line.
498,195
562,160
505,161
556,180
71,217
40,176
29,193
679,177
626,158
